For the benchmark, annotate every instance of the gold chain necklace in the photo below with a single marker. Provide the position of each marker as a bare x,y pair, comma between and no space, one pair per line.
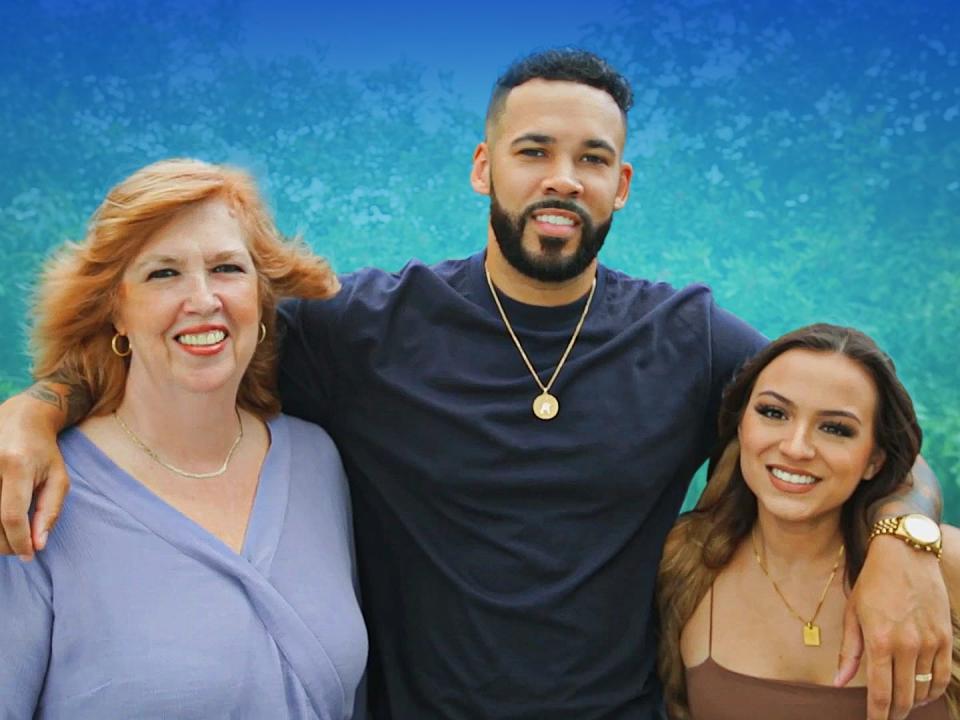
183,473
811,631
545,405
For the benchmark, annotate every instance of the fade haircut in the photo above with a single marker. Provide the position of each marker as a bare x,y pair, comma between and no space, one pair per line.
565,65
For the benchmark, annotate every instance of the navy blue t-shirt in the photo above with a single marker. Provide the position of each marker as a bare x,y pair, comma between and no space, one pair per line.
507,564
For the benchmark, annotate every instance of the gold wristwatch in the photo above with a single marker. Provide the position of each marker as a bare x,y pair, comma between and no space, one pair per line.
918,531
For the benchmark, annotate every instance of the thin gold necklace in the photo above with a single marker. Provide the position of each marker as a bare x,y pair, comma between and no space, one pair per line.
183,473
545,405
811,631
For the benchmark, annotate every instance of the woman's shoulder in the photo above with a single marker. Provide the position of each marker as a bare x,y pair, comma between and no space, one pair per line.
308,447
695,635
21,580
302,434
86,462
307,457
950,562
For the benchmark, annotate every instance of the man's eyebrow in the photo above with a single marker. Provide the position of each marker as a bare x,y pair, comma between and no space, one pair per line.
534,138
598,144
540,139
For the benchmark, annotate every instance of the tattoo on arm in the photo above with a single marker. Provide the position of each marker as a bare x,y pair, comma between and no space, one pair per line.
79,403
65,393
41,391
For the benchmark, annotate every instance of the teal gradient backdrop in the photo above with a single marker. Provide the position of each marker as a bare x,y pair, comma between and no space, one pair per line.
800,157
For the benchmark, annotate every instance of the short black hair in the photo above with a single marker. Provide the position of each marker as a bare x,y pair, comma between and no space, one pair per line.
562,64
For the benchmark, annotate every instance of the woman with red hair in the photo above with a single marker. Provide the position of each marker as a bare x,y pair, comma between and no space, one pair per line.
203,565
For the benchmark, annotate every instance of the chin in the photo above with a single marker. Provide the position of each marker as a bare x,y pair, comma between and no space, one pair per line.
789,511
552,262
209,381
555,249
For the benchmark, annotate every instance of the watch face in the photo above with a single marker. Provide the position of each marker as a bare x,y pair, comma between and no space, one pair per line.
922,529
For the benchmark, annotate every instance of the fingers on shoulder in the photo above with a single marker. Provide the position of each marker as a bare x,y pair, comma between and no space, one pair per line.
16,465
15,524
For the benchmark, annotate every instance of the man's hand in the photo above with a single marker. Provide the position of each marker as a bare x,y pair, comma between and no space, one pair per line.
30,463
899,613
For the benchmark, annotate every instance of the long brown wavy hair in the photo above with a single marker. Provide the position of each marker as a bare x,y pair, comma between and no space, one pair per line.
704,540
78,294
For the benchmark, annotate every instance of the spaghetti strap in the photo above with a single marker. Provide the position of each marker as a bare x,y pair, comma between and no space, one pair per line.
710,633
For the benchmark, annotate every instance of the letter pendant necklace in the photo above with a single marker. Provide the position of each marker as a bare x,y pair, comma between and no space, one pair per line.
811,631
545,405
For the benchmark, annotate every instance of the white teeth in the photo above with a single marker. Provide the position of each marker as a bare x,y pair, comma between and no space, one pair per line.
792,477
555,219
207,338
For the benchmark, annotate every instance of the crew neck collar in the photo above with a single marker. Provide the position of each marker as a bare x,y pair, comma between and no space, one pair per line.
524,314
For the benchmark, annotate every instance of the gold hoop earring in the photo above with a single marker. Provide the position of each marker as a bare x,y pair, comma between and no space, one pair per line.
263,333
114,345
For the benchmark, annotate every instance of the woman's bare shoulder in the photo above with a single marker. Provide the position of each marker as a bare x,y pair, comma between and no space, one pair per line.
695,637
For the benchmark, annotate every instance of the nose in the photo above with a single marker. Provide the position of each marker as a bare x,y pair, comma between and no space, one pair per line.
203,298
797,444
562,180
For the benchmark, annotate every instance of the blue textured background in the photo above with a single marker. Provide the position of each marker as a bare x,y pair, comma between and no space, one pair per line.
800,157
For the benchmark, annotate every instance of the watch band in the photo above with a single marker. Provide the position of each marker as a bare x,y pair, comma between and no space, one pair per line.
893,526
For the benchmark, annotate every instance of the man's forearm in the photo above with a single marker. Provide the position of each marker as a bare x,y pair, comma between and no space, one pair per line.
918,493
70,397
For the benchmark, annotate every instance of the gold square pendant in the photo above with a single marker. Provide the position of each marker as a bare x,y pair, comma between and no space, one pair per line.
811,635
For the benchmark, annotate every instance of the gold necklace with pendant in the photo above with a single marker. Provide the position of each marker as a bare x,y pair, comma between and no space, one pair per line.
811,631
545,405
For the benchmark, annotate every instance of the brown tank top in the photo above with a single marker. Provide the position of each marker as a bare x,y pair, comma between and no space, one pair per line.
716,693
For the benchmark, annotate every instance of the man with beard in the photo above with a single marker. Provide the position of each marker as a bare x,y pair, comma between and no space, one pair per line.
520,428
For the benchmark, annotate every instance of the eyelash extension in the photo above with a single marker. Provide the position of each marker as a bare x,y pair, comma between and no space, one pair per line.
160,274
834,428
764,409
841,429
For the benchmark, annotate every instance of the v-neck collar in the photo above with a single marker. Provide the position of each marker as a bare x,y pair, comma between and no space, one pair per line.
95,470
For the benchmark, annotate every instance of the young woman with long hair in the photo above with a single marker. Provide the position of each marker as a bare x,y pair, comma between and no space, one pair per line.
752,584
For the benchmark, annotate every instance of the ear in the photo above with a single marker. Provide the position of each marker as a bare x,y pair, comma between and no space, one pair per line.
118,323
480,173
116,301
876,463
623,187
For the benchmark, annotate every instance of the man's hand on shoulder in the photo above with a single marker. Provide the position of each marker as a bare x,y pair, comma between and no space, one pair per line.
898,619
31,467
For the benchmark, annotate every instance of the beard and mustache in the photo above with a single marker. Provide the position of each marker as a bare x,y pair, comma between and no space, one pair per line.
550,266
